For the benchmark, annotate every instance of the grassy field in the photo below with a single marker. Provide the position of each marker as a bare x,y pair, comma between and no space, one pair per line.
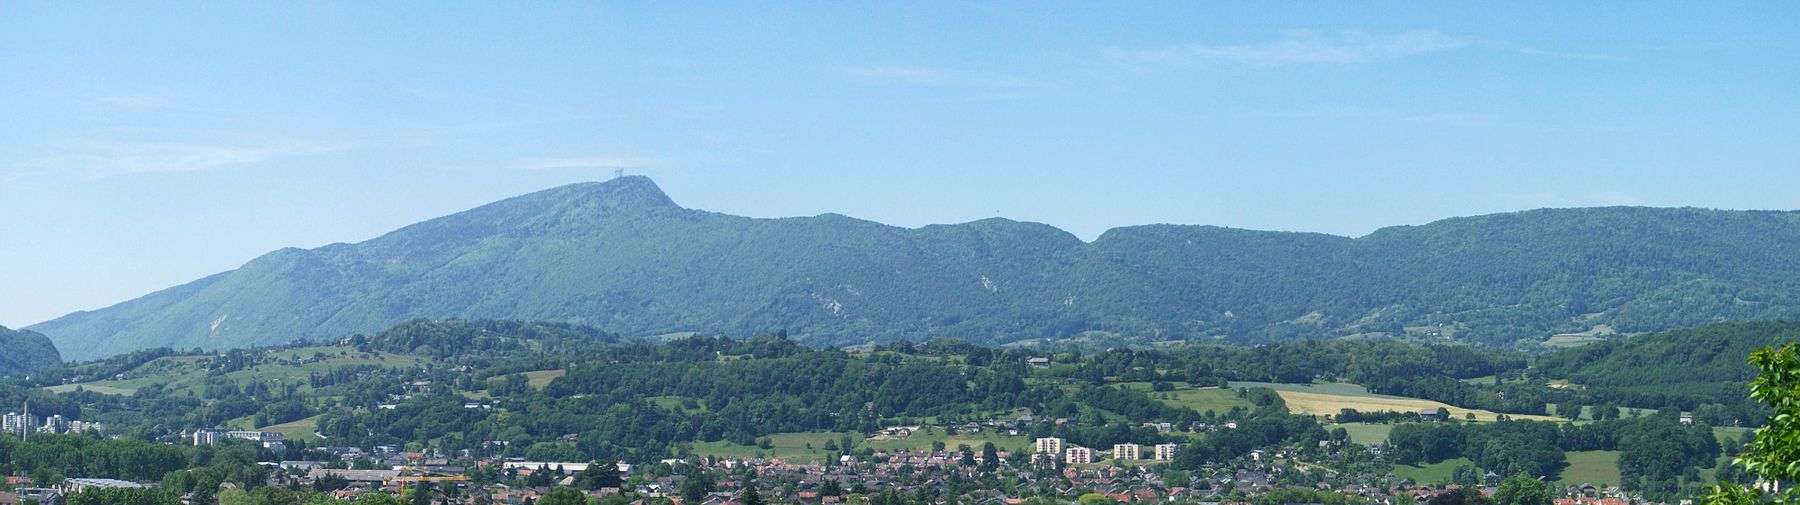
541,378
102,388
301,429
1365,433
1217,400
1482,380
1331,398
1598,333
1430,474
793,447
922,440
1600,468
1728,435
1571,340
674,403
1587,411
810,446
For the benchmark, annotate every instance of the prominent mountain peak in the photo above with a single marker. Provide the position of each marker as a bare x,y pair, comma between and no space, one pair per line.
623,191
576,205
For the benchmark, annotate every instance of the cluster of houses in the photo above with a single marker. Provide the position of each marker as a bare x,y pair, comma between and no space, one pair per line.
1054,467
1133,479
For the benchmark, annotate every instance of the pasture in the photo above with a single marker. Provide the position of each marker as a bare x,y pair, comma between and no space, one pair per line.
1434,473
1365,433
1600,468
541,378
1217,400
1332,398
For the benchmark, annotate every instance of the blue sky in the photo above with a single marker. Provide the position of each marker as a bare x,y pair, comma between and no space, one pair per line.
148,145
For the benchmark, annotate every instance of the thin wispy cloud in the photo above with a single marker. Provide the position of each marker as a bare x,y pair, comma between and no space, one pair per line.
1374,115
187,158
590,163
138,101
102,160
1567,55
933,77
1303,47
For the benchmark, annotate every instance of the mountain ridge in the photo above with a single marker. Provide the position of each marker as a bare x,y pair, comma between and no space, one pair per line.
623,256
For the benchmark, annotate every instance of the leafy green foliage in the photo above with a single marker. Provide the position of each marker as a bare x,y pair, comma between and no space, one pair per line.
1685,369
149,496
563,496
1523,490
90,457
1504,448
1657,450
623,257
1774,455
456,337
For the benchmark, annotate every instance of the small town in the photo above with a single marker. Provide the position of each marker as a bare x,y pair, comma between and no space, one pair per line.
1050,471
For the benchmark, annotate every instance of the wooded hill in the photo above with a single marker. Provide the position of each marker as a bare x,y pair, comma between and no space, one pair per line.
26,351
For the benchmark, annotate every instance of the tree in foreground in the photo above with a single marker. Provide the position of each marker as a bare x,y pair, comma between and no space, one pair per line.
377,499
1774,455
117,496
751,496
1460,496
1523,490
563,496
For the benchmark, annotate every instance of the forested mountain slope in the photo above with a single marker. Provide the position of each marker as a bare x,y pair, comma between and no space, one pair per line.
622,256
26,351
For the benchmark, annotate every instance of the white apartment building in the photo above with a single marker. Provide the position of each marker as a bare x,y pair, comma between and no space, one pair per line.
1125,451
1165,452
1078,455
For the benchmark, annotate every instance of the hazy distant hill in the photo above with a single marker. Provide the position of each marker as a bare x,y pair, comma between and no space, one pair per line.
26,351
621,256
